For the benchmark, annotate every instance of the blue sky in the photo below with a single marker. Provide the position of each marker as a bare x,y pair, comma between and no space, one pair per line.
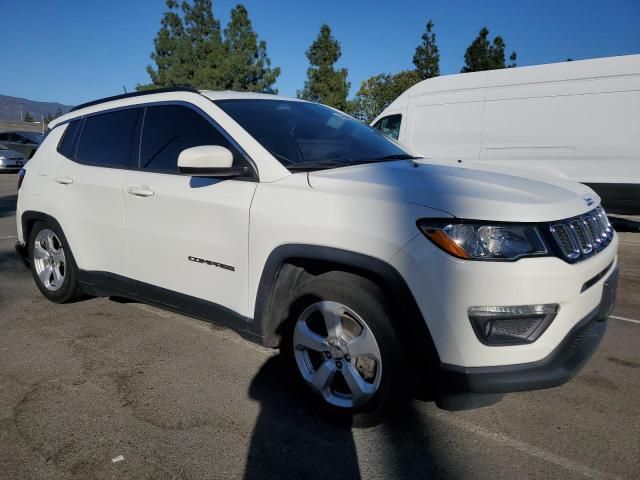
72,51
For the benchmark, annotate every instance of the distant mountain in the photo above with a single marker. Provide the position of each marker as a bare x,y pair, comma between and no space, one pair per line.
10,108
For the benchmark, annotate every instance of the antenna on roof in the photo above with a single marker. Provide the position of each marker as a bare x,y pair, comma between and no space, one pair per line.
125,89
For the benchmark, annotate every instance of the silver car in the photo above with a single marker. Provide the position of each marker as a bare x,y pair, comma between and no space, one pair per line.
24,142
10,160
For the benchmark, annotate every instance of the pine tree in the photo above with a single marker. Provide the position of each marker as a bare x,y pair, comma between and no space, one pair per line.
172,54
427,57
190,50
249,67
27,117
483,55
496,53
202,31
324,83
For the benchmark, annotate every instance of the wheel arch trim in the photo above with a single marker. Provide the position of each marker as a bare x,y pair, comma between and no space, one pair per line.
30,217
268,319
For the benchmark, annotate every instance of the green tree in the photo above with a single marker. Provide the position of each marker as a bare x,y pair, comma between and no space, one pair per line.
27,117
324,83
377,92
190,50
207,54
249,66
172,54
485,55
427,57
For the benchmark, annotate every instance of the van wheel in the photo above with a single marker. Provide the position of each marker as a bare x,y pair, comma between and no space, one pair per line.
52,264
343,347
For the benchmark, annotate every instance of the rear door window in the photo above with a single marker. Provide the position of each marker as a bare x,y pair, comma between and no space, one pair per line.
107,139
169,129
390,126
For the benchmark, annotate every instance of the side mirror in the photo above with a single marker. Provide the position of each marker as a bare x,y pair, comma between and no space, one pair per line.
209,161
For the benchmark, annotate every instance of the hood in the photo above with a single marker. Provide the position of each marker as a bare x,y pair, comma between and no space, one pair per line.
469,190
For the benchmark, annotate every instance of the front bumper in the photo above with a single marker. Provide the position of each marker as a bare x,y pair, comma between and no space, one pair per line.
11,165
445,288
562,364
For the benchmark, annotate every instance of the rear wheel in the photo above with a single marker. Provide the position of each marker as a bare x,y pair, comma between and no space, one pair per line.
344,348
52,263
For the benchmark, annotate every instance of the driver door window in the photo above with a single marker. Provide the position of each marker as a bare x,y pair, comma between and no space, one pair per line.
168,130
390,126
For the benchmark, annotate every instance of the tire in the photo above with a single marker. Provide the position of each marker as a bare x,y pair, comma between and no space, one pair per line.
52,264
359,388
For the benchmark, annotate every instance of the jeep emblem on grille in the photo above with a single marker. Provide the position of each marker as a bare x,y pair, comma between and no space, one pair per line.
589,201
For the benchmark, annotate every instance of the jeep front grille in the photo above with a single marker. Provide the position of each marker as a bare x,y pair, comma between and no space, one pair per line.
581,237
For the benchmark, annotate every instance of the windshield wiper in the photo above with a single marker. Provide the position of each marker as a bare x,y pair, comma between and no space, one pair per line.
395,156
319,165
344,162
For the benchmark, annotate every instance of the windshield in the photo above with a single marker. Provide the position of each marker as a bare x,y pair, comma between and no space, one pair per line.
304,135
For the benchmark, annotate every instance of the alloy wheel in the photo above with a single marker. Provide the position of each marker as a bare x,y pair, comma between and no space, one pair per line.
337,354
49,259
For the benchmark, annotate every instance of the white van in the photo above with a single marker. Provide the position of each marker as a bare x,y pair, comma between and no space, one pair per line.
576,120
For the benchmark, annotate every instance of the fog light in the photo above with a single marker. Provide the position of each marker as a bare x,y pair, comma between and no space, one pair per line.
511,325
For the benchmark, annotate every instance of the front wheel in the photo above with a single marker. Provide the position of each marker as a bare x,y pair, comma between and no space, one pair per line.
344,347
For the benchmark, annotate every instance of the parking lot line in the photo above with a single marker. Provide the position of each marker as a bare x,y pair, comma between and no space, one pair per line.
630,320
8,236
524,447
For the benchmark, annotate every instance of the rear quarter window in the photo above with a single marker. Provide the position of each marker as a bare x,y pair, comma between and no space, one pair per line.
67,142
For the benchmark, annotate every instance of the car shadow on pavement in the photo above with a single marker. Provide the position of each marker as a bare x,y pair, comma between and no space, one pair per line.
291,440
8,205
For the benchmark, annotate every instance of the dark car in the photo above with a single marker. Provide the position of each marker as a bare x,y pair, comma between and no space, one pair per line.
25,143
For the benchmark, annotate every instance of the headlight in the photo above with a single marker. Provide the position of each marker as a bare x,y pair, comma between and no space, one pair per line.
484,241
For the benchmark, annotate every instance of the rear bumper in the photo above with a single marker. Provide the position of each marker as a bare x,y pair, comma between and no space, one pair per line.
562,364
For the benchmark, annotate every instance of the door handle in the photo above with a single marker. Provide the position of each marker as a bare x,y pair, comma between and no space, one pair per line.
64,180
140,191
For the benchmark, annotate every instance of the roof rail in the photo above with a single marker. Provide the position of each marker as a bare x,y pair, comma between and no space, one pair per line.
134,94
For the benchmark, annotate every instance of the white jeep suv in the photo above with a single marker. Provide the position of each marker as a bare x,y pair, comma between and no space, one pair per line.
302,228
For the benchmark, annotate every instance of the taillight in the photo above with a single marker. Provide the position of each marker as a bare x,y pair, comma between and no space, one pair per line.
21,175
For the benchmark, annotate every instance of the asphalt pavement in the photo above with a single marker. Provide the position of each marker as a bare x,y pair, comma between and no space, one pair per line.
102,388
